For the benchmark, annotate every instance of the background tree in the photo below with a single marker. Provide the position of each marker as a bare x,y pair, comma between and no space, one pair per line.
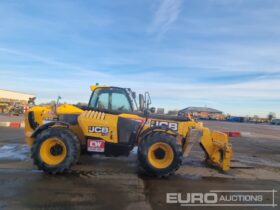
271,116
256,117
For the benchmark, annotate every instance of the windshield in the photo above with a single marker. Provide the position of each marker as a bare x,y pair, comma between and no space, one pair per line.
110,99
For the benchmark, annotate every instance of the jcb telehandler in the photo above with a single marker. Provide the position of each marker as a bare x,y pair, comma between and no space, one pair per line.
113,123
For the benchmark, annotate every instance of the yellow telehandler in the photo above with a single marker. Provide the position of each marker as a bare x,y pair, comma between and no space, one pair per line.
113,123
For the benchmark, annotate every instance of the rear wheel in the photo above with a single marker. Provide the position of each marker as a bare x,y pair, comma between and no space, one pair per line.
159,154
55,150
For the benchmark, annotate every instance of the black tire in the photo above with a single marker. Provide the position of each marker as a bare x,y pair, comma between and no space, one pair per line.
143,149
72,146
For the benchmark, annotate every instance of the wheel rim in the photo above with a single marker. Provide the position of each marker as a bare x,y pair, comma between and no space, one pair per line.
53,151
160,155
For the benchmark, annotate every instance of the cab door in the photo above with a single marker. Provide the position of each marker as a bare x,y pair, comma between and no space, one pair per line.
98,122
104,125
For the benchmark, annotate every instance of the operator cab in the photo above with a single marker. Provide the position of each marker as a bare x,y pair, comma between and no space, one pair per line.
111,99
115,99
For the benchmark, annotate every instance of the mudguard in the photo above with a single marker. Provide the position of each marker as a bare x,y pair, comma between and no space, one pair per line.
47,125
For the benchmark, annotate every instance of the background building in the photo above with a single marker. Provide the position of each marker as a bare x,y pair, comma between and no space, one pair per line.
203,113
10,98
160,111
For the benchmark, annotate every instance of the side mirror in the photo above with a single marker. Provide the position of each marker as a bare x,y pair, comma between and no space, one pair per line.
148,99
152,109
133,95
31,101
141,102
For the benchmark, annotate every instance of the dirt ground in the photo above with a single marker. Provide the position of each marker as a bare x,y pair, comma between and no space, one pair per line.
99,182
248,129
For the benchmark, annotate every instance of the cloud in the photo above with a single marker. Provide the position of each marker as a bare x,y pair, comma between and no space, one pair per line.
50,61
166,14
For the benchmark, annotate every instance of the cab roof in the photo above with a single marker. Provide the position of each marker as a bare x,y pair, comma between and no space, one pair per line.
93,87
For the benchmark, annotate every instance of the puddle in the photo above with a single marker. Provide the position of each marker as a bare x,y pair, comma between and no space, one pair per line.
20,170
14,152
132,155
257,161
95,173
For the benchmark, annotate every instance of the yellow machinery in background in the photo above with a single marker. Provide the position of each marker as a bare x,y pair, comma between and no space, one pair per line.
114,123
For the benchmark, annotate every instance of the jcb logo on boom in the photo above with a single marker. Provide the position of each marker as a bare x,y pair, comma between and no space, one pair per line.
98,129
171,125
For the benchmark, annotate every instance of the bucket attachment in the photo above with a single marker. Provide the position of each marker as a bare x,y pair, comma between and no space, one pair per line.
215,145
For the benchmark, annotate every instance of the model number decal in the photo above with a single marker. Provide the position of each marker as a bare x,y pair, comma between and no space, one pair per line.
171,125
98,129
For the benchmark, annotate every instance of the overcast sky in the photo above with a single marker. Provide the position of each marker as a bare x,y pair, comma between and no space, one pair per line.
215,53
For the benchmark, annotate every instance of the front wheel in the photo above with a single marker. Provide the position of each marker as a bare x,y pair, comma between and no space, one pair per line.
159,154
55,150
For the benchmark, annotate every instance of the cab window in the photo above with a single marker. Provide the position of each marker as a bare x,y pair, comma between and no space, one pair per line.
99,99
103,101
110,99
120,102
